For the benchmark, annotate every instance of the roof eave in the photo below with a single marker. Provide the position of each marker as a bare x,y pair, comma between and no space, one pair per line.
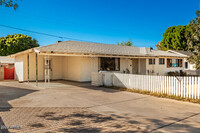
108,55
23,52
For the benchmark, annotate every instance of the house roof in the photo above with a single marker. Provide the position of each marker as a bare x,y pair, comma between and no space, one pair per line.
76,47
6,60
187,53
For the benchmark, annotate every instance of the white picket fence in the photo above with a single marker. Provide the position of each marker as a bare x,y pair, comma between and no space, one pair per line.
187,86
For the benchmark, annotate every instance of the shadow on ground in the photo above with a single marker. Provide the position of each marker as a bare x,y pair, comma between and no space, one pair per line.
10,93
6,94
86,85
2,125
168,124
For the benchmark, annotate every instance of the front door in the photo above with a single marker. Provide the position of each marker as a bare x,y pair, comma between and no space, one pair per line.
135,66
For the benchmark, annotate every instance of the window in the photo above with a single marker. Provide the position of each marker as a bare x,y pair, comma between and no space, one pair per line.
152,61
177,63
174,63
109,64
186,65
161,61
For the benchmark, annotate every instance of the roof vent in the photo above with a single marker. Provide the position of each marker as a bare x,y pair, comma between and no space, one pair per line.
58,41
151,49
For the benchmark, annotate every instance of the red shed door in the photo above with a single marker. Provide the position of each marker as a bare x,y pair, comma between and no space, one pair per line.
9,73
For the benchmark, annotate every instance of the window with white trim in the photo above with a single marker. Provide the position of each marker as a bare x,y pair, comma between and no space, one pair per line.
161,61
109,64
152,61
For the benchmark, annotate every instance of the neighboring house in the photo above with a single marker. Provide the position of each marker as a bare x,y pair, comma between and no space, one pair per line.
6,68
188,67
73,60
6,62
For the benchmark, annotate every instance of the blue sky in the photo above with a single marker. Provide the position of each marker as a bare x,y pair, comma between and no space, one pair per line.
104,21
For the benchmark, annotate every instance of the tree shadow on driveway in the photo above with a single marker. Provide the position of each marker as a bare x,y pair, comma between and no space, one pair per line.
9,93
1,126
6,94
177,124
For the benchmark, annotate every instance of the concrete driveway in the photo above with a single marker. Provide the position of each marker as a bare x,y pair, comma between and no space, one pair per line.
144,113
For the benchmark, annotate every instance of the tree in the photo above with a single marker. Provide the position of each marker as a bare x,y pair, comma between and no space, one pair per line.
175,38
9,3
12,44
197,19
194,41
127,43
184,38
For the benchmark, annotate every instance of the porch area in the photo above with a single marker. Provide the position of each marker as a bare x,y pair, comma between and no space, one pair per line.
46,68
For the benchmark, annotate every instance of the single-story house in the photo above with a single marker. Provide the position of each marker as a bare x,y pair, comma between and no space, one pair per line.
188,67
6,68
74,60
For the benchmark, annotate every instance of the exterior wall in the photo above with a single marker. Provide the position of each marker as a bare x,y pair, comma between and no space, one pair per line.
56,72
89,65
190,66
57,67
135,66
19,75
161,69
125,63
77,68
32,67
72,68
40,67
142,66
1,73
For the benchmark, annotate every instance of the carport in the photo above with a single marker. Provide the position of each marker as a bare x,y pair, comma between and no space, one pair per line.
38,66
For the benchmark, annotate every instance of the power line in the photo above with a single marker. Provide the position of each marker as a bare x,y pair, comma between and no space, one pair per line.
36,32
50,20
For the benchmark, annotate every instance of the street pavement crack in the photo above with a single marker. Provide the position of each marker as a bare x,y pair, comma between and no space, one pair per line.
167,125
117,102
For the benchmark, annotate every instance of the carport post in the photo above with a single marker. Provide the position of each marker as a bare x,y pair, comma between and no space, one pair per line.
28,66
36,69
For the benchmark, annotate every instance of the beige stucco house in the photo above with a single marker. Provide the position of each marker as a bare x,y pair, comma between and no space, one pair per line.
74,60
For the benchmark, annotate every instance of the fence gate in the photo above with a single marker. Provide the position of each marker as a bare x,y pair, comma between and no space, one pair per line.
9,73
